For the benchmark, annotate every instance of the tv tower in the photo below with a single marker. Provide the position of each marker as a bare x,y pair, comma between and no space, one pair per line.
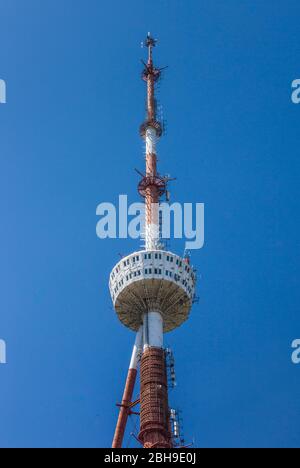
152,292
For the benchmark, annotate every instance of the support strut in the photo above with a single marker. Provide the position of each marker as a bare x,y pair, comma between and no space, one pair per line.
125,406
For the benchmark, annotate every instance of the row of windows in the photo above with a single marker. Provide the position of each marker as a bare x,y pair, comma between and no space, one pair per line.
135,258
115,272
148,256
148,271
130,276
156,271
169,259
156,255
178,262
134,274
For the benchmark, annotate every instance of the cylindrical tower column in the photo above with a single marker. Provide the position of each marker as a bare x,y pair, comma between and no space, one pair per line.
152,330
128,391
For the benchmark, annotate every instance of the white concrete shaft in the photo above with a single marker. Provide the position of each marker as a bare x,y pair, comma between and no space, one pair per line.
137,349
153,330
151,139
152,233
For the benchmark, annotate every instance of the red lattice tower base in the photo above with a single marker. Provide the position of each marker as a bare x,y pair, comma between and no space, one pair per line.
154,415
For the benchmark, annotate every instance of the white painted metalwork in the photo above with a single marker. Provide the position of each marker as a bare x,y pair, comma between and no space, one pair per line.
151,139
152,233
137,349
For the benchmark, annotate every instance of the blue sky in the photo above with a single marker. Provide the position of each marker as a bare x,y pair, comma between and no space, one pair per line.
69,140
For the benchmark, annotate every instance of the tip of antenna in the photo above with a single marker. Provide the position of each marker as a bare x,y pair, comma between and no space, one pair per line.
150,41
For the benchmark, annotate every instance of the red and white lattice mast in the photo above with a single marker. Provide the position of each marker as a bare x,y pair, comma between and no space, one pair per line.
152,291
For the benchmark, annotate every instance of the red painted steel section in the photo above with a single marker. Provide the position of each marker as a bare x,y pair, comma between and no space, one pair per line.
124,409
154,412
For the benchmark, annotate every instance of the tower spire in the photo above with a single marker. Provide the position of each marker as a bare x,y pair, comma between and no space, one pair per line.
152,186
150,43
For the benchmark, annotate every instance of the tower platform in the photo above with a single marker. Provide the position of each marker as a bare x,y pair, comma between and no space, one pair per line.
154,280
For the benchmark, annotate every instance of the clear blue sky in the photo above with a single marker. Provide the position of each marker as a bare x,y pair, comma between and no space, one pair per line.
69,140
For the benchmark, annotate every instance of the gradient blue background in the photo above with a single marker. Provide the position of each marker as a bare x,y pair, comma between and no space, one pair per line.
69,140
